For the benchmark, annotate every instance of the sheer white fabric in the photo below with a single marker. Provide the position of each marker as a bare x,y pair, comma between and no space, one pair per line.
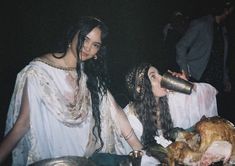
57,126
185,110
124,147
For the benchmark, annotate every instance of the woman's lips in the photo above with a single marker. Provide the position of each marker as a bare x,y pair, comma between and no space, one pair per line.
84,54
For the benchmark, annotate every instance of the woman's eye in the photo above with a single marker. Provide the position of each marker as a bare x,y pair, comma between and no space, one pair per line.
97,46
152,76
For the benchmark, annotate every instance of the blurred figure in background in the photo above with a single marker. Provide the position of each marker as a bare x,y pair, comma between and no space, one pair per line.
172,32
202,52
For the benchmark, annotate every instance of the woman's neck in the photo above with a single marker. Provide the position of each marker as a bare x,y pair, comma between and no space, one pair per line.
70,59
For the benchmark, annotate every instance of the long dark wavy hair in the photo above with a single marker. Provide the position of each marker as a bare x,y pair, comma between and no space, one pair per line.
146,105
95,69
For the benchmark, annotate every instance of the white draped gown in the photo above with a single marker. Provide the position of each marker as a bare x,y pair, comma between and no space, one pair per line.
57,127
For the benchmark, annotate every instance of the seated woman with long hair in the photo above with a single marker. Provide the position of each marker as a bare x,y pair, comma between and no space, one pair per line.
153,110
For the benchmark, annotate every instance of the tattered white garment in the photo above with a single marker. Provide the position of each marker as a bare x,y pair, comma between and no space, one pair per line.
185,110
59,124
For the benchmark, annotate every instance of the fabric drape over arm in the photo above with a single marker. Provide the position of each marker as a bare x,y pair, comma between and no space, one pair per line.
120,124
50,121
186,110
124,147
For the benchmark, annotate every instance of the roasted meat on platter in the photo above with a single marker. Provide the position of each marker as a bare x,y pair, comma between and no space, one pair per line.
211,141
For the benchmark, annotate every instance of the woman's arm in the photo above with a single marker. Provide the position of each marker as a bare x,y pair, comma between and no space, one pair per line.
19,129
128,132
125,127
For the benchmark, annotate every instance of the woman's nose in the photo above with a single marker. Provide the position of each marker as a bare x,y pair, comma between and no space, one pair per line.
87,46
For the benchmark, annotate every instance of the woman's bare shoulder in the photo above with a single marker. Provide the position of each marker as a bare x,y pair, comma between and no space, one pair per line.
52,59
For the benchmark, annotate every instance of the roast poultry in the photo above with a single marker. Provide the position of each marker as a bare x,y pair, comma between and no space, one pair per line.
211,141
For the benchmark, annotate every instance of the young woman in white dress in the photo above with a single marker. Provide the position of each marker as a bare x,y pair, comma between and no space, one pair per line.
61,105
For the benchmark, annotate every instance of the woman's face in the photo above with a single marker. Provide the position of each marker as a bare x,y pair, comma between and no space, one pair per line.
155,79
91,45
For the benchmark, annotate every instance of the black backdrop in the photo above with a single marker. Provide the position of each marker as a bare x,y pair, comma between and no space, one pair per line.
28,28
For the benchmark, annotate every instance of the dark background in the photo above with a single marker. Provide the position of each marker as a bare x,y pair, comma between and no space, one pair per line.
30,26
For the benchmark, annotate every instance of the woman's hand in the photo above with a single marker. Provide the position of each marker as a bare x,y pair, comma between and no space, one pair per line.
182,75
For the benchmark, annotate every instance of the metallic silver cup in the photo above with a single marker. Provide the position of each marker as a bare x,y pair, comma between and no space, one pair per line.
135,157
177,84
